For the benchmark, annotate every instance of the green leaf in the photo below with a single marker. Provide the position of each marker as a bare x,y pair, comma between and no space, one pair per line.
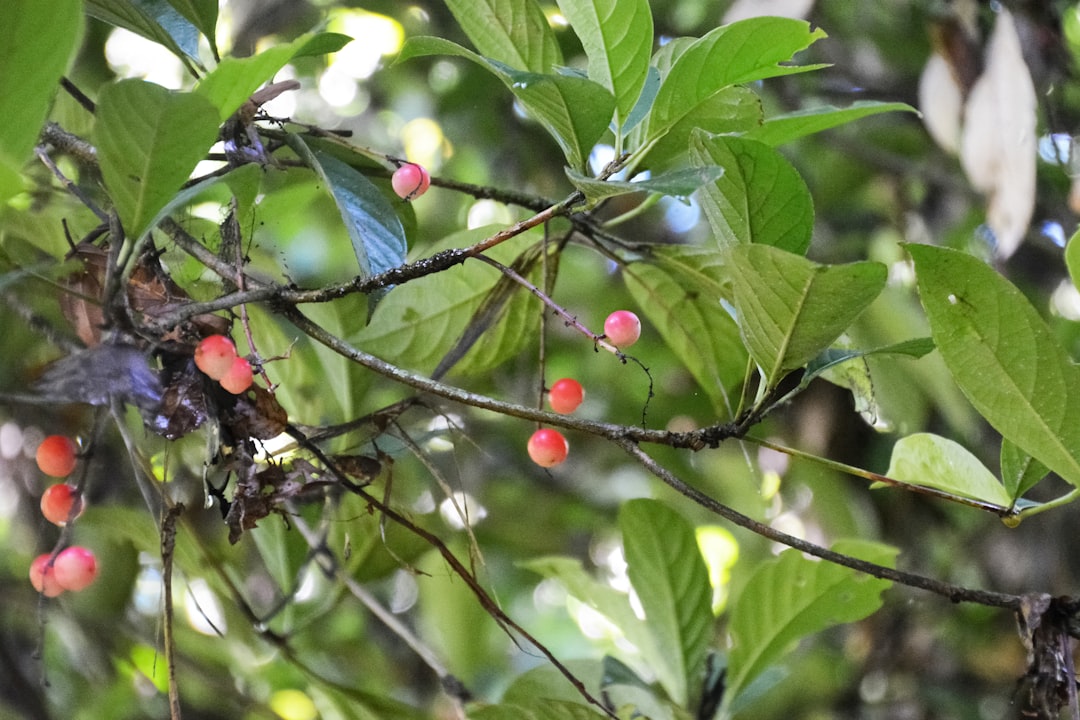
847,368
933,461
734,54
678,183
149,140
672,582
203,14
1019,471
37,41
794,125
791,597
234,80
418,323
1072,258
790,309
513,32
542,709
732,110
150,20
377,236
683,304
761,198
574,111
600,596
617,36
1003,356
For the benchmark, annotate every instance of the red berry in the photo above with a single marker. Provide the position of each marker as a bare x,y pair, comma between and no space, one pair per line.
565,395
239,377
410,181
43,576
56,455
61,503
75,568
622,328
548,447
214,355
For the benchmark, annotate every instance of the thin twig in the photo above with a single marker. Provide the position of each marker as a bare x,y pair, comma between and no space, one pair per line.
955,593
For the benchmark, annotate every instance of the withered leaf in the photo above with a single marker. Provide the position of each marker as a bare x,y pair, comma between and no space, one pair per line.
249,503
184,404
261,418
361,467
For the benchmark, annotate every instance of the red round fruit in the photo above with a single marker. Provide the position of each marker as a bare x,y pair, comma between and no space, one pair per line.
239,377
410,181
214,355
75,568
622,328
548,447
43,576
565,395
56,455
61,503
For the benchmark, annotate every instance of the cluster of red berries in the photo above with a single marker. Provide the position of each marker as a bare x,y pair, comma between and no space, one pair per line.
73,568
410,181
216,356
548,447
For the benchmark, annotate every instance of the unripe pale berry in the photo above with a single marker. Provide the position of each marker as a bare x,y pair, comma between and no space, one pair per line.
43,576
565,395
410,181
239,377
214,355
56,455
548,447
75,568
622,328
61,503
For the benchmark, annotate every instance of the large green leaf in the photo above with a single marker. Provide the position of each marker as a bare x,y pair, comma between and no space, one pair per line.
732,110
617,36
36,43
734,54
791,597
575,111
1003,356
377,235
149,140
790,309
685,309
234,80
513,32
672,582
933,461
761,198
782,129
156,21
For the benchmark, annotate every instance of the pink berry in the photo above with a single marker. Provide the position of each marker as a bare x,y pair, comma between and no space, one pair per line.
239,377
548,447
565,395
61,503
75,568
214,355
622,328
410,181
43,576
56,455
